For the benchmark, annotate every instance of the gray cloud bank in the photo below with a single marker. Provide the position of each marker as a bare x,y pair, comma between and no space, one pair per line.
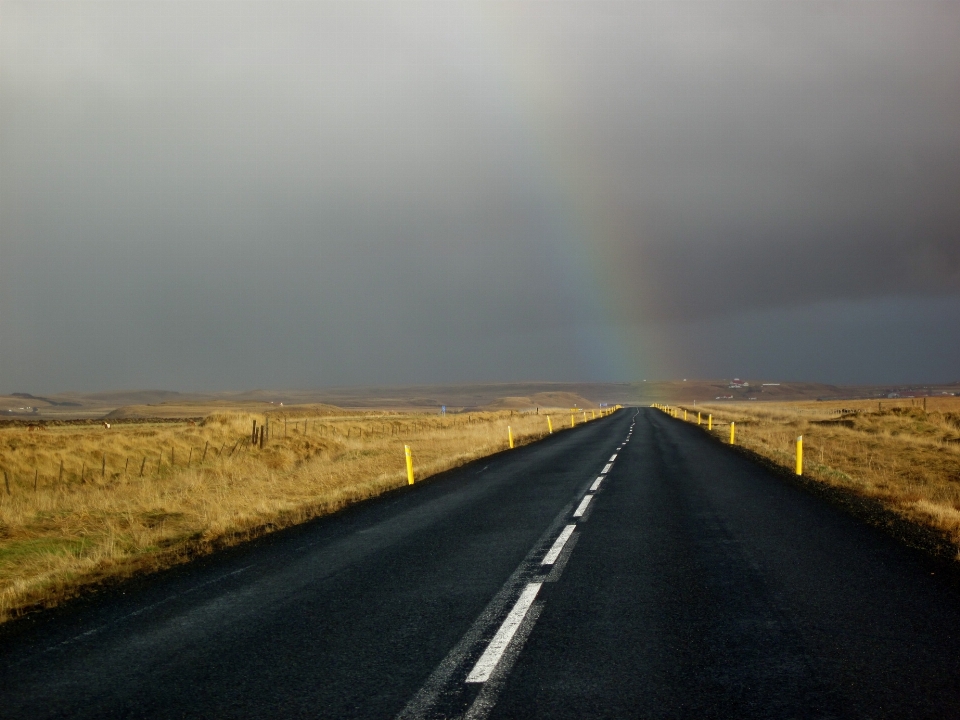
223,195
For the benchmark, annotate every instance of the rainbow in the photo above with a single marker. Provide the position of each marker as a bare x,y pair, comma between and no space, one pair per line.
587,236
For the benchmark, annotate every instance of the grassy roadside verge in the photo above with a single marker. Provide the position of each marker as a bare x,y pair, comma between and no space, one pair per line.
84,505
901,457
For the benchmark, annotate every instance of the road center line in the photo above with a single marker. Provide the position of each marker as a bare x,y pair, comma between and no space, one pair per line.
440,681
596,484
583,506
554,553
491,656
613,457
606,468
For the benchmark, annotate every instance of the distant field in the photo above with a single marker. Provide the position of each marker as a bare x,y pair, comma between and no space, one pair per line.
82,503
904,452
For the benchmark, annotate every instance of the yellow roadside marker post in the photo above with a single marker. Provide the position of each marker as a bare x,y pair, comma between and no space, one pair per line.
800,455
698,418
584,415
593,415
684,414
406,451
549,425
510,436
709,422
732,427
571,420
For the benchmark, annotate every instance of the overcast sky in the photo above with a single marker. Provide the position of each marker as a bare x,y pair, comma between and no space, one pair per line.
227,195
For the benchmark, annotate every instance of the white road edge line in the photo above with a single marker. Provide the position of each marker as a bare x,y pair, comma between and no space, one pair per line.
554,553
491,656
583,506
606,468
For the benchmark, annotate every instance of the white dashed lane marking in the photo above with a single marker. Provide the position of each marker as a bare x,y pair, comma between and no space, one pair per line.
491,656
606,468
557,548
582,507
596,484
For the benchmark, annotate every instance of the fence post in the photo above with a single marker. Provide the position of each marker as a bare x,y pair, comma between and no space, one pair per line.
800,455
409,457
204,456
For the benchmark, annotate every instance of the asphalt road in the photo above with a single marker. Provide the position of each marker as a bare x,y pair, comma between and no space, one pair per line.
692,583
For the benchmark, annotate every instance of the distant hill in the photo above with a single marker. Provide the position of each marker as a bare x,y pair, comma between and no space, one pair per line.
543,399
202,409
429,398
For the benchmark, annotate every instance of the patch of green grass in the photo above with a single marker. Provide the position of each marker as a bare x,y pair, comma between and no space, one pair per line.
14,551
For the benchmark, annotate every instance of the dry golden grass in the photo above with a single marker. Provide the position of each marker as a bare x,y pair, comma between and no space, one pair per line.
139,497
893,451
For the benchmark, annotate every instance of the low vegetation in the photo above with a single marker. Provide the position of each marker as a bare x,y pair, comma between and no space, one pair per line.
83,503
903,453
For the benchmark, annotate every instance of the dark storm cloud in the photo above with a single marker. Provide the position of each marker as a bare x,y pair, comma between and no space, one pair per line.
238,194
